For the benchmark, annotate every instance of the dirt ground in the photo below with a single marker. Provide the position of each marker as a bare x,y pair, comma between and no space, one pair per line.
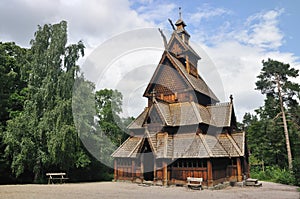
129,190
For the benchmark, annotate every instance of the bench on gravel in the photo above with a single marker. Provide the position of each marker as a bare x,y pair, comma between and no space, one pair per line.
56,177
194,183
253,182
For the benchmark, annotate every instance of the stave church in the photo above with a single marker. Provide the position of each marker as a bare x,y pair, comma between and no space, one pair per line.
185,131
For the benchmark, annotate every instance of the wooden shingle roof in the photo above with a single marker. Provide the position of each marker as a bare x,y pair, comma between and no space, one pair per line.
220,113
196,82
139,121
186,145
239,139
185,45
169,75
129,148
188,113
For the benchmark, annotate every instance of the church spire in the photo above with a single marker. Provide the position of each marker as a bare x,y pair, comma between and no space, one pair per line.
180,23
180,28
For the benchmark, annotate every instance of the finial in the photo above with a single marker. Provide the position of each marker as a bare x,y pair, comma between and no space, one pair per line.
231,99
164,38
153,93
172,24
179,12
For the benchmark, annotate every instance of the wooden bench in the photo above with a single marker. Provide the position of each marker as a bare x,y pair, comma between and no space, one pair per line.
194,183
56,177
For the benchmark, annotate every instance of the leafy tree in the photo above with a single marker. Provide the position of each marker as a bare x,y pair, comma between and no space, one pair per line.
41,113
43,137
275,83
108,107
13,91
13,77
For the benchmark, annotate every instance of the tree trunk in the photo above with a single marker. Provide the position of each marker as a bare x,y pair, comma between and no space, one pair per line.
286,133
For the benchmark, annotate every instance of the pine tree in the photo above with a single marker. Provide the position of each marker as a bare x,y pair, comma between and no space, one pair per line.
274,82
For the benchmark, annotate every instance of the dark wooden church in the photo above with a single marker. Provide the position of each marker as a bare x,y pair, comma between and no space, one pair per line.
184,131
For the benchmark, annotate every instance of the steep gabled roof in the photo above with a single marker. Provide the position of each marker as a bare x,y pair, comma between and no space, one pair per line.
197,83
139,121
229,145
186,145
240,140
221,114
129,148
188,113
175,37
168,75
158,110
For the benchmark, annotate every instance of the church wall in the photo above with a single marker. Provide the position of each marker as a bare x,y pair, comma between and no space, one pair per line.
127,169
227,169
220,169
183,168
223,169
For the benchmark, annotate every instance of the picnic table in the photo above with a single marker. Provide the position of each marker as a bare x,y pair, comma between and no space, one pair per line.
56,177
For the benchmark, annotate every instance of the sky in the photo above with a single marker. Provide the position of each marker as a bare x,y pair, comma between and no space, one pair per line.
232,36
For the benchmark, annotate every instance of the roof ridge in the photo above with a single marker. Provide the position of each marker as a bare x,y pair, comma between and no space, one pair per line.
234,144
185,45
182,71
150,143
218,138
196,111
243,141
164,55
161,113
140,115
205,145
121,146
135,148
188,77
219,104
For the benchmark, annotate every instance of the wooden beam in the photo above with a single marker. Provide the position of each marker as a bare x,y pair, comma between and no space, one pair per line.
165,173
187,64
247,167
132,169
115,170
239,170
209,173
154,170
142,168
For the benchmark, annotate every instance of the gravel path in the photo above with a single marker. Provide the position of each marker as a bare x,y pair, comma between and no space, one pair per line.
129,190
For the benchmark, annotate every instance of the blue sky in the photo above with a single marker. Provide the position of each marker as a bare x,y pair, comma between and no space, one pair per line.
236,13
236,35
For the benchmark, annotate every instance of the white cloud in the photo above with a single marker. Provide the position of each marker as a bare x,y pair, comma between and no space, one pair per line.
263,30
238,56
91,21
207,12
160,12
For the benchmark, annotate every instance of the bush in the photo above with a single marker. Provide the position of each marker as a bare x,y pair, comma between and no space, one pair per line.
296,170
275,174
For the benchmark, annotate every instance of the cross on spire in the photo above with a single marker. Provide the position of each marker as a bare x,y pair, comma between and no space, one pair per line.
153,93
179,12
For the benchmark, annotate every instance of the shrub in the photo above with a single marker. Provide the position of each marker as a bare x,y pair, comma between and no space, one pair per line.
296,170
275,174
